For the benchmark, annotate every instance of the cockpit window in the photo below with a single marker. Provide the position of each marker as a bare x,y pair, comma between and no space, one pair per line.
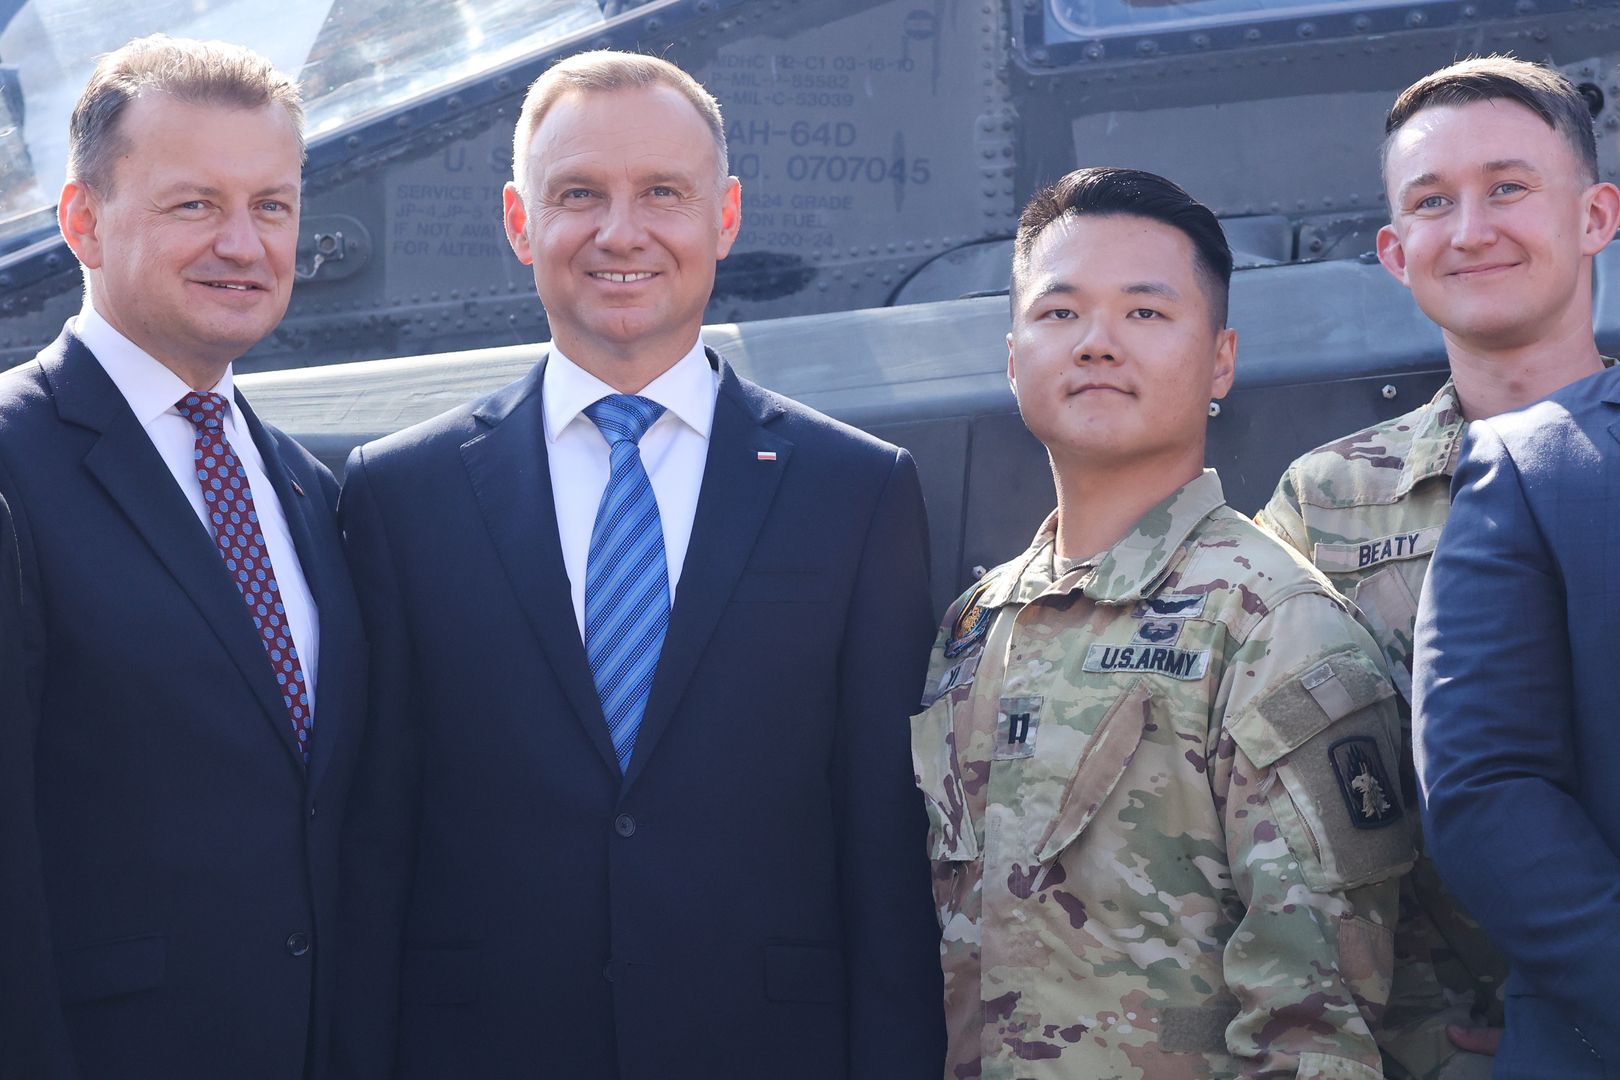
353,58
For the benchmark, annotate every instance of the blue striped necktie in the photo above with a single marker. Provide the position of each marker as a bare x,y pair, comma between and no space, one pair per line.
626,579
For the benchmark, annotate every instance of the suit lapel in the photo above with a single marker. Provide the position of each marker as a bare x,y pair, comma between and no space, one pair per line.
127,465
735,497
511,479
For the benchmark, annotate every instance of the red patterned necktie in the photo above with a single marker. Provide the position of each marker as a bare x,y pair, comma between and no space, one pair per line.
235,524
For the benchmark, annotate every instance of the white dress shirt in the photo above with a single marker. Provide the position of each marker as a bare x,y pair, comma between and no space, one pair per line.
673,451
152,391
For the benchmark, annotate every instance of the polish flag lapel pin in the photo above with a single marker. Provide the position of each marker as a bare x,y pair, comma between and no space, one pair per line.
765,455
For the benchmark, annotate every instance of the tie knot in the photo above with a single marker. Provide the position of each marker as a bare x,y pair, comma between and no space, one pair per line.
206,411
621,417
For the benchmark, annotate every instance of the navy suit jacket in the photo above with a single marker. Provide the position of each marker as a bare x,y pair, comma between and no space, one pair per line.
1518,718
752,898
162,844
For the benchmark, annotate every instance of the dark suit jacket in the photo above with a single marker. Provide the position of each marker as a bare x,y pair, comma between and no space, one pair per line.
1518,718
162,843
752,898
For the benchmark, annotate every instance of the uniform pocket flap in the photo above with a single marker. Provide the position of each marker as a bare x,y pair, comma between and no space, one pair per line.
1303,705
1104,760
440,975
111,969
804,973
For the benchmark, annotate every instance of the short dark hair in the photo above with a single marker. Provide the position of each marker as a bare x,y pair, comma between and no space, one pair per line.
1539,88
195,72
1131,192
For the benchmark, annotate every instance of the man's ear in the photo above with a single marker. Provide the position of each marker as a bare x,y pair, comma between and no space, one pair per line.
1602,217
78,214
730,217
516,218
1220,382
1012,376
1392,254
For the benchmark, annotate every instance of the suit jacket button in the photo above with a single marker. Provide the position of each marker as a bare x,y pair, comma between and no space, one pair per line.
297,943
624,825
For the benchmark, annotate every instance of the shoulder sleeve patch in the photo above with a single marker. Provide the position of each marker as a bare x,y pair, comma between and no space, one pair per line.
1337,805
1369,797
1330,736
971,620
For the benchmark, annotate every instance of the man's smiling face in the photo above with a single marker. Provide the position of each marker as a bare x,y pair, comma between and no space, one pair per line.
190,251
1489,208
624,219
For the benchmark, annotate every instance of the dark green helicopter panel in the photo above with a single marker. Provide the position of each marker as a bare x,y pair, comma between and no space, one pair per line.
884,147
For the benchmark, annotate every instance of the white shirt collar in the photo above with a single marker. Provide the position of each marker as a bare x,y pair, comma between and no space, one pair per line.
686,390
150,388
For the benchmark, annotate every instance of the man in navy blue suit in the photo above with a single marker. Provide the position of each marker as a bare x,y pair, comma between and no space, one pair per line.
178,746
1518,747
1515,703
646,637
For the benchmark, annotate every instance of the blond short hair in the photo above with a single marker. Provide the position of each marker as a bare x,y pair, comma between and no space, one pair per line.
603,71
196,72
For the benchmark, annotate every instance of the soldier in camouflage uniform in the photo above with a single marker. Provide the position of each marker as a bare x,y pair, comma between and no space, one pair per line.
1157,752
1368,508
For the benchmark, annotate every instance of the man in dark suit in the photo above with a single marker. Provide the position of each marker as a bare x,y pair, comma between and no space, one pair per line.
194,667
647,636
25,951
1516,704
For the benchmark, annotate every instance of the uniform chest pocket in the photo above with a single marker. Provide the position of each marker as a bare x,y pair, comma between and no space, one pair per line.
938,771
1103,759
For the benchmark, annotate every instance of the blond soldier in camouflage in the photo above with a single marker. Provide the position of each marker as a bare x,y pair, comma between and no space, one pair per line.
1491,171
1157,753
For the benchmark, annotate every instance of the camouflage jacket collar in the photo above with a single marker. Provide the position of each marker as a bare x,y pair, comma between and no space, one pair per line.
1436,436
1126,572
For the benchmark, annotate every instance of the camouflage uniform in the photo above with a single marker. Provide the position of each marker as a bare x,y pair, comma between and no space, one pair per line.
1163,828
1368,510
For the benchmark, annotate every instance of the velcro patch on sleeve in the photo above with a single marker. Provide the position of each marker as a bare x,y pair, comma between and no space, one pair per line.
1196,1029
1297,708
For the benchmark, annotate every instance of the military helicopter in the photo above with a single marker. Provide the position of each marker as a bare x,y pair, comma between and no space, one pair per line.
884,147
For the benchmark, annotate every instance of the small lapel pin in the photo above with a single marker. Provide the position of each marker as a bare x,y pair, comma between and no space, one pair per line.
298,489
766,455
